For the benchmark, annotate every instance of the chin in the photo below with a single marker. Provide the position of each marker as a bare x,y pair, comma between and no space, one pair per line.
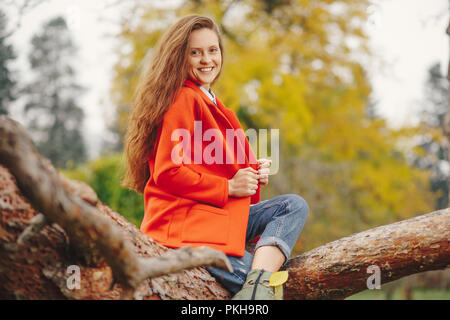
208,82
204,80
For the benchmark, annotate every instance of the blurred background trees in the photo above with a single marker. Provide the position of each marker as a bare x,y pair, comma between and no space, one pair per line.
7,82
292,65
53,114
433,148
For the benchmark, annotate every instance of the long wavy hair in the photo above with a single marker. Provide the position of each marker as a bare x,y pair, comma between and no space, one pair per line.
155,93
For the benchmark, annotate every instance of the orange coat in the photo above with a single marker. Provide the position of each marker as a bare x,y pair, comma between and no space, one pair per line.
187,204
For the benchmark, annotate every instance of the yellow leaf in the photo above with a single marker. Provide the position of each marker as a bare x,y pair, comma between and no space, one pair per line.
278,278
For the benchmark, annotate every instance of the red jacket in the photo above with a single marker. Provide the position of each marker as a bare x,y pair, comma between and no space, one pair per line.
187,204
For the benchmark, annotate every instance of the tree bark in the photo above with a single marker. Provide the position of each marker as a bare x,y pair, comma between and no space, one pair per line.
95,239
340,268
38,268
73,228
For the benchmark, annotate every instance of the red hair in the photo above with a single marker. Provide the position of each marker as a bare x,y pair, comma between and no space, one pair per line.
155,93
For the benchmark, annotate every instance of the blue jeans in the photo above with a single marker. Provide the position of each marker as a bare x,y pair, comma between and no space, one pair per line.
279,222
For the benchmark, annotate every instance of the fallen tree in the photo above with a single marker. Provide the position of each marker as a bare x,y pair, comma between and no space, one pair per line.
50,224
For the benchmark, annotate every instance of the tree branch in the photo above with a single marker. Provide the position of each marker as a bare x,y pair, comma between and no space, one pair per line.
22,8
38,222
339,269
93,233
333,271
183,258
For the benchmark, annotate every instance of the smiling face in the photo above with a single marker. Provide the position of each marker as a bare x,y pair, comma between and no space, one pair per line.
204,56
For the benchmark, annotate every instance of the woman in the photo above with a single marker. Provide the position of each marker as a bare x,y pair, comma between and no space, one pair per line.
200,191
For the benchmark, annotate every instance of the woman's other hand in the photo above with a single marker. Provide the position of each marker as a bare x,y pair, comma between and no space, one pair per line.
263,171
244,183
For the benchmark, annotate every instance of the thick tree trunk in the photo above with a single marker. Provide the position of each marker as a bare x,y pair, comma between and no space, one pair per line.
340,268
38,250
38,268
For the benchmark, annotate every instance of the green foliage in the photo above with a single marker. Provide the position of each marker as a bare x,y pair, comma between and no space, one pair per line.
104,176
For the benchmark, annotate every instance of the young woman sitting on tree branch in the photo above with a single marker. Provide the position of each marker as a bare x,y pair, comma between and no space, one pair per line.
197,191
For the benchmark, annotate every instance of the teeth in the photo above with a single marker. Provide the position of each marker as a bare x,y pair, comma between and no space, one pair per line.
205,69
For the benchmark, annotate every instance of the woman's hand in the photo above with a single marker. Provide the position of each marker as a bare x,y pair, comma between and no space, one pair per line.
263,171
244,183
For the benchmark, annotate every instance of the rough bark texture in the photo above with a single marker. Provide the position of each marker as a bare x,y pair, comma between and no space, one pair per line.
37,269
36,266
339,269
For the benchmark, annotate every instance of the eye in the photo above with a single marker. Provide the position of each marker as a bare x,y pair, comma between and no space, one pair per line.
195,52
214,49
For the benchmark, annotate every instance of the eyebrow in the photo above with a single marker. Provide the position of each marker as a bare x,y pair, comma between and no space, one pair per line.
213,45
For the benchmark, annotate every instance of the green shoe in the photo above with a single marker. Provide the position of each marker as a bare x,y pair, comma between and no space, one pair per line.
256,287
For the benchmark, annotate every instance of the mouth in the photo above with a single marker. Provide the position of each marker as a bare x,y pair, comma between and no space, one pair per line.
209,69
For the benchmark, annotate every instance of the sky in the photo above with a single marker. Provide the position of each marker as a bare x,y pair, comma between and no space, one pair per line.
406,38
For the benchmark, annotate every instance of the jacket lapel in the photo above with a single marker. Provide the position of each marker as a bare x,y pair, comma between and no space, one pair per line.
227,117
219,111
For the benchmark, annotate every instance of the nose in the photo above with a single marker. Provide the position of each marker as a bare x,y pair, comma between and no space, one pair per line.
206,59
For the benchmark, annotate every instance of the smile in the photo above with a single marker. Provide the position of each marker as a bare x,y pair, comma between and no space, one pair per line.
206,69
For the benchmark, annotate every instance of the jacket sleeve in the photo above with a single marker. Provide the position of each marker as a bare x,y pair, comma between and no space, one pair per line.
175,177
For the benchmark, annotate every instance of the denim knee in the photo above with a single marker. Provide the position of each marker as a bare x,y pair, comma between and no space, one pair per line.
297,202
285,227
298,209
